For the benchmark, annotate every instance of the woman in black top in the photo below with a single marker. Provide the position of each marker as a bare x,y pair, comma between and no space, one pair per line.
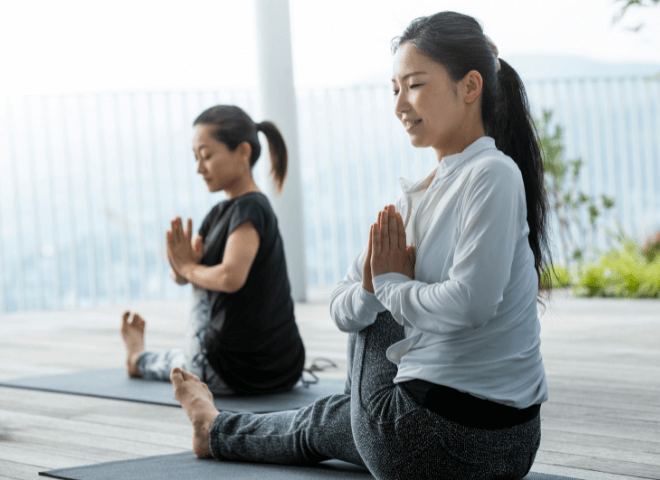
242,337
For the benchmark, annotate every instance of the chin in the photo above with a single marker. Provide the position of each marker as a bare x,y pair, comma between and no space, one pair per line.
417,142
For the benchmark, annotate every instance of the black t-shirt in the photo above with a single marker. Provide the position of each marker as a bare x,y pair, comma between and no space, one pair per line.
253,340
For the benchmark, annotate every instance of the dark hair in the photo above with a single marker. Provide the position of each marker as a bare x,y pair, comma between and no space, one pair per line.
457,42
234,126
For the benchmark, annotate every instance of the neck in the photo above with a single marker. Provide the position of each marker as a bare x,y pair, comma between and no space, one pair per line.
460,139
242,186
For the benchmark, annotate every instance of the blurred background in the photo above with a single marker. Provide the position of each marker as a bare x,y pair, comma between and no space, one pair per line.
96,123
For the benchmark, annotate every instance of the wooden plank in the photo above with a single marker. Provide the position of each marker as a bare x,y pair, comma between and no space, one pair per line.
605,465
632,445
574,447
49,455
20,471
648,415
17,420
580,472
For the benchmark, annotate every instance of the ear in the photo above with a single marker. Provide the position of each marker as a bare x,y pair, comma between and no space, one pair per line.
471,86
245,150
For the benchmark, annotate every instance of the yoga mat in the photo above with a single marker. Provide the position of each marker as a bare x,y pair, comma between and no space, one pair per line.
114,383
185,465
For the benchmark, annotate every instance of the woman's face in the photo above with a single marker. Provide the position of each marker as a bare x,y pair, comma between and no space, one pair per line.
425,99
219,167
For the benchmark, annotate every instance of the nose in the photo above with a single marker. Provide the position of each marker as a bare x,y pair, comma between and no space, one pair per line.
200,167
401,104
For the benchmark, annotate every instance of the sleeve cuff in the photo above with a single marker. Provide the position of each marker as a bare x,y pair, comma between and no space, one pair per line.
392,277
370,302
383,285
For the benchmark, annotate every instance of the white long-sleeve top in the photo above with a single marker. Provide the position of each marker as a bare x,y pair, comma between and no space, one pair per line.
469,315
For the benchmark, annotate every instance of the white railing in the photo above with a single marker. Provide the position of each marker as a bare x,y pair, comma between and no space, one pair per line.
89,183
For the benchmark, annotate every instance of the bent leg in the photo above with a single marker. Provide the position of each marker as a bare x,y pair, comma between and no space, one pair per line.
194,350
158,365
377,404
397,438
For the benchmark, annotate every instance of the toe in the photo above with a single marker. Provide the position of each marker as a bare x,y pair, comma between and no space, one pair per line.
176,376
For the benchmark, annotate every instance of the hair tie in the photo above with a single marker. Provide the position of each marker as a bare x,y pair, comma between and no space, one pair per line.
495,51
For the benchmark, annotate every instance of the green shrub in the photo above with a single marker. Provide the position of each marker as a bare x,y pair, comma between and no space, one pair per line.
556,277
651,247
625,273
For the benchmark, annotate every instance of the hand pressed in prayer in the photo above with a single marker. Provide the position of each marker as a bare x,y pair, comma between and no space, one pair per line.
389,252
181,251
367,283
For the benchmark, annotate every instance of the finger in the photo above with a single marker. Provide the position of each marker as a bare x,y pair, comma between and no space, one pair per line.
180,237
177,229
375,244
385,233
173,230
189,229
401,229
394,228
169,240
371,236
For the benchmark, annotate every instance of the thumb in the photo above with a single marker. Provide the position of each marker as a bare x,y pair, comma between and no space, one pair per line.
410,251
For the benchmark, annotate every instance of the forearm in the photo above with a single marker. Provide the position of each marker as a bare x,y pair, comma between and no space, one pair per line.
214,278
437,308
177,278
352,308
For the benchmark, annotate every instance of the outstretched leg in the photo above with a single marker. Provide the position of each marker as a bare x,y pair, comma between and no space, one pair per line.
132,332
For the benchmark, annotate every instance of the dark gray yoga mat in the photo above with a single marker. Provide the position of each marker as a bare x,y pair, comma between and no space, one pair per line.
185,465
115,384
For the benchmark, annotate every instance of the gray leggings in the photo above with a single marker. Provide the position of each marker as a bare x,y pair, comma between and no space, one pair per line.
377,424
192,358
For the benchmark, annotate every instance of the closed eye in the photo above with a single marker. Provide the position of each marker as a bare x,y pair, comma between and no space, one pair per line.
415,85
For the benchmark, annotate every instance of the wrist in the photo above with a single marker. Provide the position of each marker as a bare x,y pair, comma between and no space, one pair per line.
186,271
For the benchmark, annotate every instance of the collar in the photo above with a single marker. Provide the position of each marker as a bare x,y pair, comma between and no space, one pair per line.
449,164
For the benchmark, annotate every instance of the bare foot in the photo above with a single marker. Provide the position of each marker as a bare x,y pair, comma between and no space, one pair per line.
197,401
133,335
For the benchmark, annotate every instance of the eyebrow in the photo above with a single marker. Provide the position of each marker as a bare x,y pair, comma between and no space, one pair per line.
411,74
200,147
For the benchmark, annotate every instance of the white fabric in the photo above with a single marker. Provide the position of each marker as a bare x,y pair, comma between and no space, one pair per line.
470,314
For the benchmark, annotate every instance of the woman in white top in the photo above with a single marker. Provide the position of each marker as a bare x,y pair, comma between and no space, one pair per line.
445,372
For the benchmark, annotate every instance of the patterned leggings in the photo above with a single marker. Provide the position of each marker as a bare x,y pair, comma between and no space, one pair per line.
192,358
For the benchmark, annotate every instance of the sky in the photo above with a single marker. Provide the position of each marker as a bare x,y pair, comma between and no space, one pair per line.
79,46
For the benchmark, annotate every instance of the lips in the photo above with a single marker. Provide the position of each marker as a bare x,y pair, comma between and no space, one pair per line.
412,123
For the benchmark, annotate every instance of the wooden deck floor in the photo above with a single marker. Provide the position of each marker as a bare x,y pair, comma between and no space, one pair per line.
602,358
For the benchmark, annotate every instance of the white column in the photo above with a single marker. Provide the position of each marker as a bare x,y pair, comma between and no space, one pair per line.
278,104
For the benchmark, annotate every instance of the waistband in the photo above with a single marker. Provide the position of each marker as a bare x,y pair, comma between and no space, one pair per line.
466,409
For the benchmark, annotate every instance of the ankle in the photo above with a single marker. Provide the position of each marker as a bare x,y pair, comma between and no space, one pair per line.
132,364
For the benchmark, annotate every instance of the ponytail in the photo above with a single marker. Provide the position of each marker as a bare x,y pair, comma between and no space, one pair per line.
234,126
278,155
457,42
515,134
